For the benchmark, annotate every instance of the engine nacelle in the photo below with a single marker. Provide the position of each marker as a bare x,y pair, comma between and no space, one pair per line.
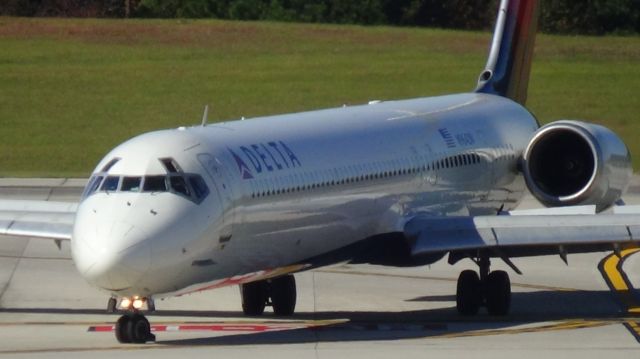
576,163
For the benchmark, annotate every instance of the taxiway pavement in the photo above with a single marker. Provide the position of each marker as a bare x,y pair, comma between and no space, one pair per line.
558,311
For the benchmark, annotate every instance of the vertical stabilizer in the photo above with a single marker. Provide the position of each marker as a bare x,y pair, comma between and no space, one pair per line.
509,65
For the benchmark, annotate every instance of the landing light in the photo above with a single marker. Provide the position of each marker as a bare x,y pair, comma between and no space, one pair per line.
138,303
125,303
132,303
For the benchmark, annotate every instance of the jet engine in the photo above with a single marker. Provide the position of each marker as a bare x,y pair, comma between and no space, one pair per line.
576,163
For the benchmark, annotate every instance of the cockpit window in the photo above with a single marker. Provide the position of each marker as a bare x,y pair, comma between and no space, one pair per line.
110,164
171,165
92,186
131,184
110,184
155,184
179,185
199,187
189,185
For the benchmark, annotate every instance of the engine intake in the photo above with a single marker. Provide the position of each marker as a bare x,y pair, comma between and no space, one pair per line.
577,163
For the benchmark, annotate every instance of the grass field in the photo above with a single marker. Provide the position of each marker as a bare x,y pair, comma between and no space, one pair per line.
72,89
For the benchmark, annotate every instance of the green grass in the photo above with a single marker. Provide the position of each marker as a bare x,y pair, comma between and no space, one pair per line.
70,90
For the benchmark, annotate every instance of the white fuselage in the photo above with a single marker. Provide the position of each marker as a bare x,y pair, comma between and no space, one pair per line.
286,189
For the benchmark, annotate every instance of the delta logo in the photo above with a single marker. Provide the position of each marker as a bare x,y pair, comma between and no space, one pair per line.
264,157
245,172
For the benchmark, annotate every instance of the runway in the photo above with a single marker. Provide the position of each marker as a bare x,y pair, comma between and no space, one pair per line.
588,309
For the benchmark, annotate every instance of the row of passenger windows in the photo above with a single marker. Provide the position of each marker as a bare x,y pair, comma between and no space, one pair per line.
191,186
305,182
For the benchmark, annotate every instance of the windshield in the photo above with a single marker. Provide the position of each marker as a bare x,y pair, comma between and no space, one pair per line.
191,186
188,185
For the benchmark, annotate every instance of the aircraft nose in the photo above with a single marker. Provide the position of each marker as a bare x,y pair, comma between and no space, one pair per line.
111,256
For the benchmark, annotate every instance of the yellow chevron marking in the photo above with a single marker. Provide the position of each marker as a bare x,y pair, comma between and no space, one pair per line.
619,283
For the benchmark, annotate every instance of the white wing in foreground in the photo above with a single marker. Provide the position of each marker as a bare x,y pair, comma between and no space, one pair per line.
524,234
44,219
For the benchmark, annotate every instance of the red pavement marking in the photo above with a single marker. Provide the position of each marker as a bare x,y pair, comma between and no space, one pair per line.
252,328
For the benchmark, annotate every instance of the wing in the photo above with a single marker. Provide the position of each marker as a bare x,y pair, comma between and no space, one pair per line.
44,219
525,233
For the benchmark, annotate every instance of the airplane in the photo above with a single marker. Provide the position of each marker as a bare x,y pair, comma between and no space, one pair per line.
395,183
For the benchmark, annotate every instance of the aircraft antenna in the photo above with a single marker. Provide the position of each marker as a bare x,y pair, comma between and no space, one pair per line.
205,115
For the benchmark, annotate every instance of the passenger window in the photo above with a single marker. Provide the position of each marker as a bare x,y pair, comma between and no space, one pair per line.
154,184
179,185
110,184
131,184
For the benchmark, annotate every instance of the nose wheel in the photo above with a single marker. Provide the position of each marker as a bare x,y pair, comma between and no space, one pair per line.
133,326
489,289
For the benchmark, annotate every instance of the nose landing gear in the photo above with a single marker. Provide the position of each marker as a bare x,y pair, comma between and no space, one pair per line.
133,326
490,289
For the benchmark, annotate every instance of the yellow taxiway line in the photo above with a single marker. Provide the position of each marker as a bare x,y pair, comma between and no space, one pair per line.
619,283
563,325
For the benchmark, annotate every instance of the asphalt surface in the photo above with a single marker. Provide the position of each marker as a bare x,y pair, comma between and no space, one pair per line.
559,311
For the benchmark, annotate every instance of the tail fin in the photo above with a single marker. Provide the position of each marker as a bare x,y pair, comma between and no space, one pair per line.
509,65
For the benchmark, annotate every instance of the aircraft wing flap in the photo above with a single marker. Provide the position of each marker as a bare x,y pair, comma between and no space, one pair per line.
43,219
432,234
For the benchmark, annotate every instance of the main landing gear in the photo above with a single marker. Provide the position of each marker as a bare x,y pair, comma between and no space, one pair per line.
489,289
279,293
133,326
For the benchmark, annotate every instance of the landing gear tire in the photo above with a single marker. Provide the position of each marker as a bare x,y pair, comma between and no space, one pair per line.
498,293
469,293
122,334
139,329
133,328
278,292
283,295
491,289
254,298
